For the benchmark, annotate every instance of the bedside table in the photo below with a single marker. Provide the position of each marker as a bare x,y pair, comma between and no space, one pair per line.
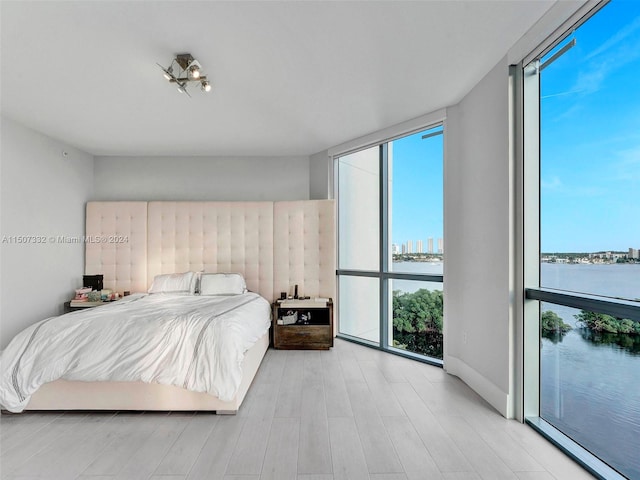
68,308
313,329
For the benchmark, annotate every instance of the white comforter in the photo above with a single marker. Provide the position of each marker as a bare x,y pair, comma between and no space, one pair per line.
193,342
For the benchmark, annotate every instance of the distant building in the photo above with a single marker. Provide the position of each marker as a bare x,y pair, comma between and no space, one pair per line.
419,248
440,246
634,253
395,249
404,248
409,246
430,245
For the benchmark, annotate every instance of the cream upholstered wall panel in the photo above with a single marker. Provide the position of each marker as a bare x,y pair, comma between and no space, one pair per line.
305,247
116,244
213,237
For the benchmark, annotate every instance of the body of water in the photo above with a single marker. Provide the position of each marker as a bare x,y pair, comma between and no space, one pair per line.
590,383
611,280
410,286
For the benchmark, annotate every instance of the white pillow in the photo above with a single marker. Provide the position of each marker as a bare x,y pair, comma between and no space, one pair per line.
222,284
181,283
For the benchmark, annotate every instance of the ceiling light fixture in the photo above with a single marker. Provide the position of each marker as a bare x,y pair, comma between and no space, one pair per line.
188,70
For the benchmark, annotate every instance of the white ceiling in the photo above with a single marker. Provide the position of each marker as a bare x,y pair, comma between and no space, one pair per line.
290,77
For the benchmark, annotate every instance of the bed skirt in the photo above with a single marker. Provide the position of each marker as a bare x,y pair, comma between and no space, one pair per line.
68,395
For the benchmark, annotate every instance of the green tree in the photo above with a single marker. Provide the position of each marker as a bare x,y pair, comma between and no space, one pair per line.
603,323
417,322
417,312
551,323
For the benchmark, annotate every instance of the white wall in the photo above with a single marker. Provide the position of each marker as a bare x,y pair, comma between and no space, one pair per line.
320,177
42,193
201,178
478,190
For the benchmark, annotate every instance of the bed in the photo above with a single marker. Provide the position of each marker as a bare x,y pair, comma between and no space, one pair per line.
193,342
273,245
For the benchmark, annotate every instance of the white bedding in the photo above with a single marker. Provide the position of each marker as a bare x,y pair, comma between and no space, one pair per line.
193,342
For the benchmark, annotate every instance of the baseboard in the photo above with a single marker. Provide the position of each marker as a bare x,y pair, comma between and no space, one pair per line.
482,386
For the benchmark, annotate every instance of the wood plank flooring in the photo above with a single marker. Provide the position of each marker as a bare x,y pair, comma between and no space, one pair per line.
346,414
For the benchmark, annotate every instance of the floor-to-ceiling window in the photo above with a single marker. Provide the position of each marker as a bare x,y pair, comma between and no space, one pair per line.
585,94
391,247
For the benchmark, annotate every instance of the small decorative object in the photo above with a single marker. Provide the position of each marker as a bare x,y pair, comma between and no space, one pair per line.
290,318
93,296
81,293
295,291
105,294
127,293
283,295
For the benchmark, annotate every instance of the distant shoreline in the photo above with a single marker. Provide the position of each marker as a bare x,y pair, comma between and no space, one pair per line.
590,261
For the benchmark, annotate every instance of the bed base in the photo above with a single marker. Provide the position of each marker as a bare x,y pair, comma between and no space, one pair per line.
73,395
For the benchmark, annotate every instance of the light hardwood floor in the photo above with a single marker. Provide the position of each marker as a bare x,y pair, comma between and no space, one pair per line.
349,413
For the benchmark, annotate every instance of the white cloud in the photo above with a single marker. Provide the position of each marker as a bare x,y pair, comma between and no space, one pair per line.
552,184
627,168
616,39
591,80
556,185
617,51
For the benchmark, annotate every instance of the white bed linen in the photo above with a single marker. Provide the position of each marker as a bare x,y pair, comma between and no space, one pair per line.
193,342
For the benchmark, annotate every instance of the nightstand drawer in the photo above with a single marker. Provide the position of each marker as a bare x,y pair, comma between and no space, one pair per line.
303,337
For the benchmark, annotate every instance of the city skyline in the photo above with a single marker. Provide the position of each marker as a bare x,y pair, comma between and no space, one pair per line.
631,252
407,246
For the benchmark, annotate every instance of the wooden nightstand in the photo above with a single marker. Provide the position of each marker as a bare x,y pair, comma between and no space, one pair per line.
313,329
68,308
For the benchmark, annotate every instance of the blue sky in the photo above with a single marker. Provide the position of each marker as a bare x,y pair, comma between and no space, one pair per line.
417,198
590,137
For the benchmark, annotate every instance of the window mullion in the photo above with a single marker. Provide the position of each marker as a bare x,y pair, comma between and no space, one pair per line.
531,231
384,245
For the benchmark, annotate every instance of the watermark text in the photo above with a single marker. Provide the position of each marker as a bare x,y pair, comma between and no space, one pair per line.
63,239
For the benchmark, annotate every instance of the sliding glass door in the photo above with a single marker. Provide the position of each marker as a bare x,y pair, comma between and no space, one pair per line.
391,247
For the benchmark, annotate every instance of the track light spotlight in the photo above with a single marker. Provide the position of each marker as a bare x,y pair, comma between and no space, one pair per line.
205,86
194,71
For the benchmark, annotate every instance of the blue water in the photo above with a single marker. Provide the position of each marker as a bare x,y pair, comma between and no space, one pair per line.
611,280
590,384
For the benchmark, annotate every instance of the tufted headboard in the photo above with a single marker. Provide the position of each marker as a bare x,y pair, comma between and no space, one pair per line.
275,245
213,237
116,244
304,247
